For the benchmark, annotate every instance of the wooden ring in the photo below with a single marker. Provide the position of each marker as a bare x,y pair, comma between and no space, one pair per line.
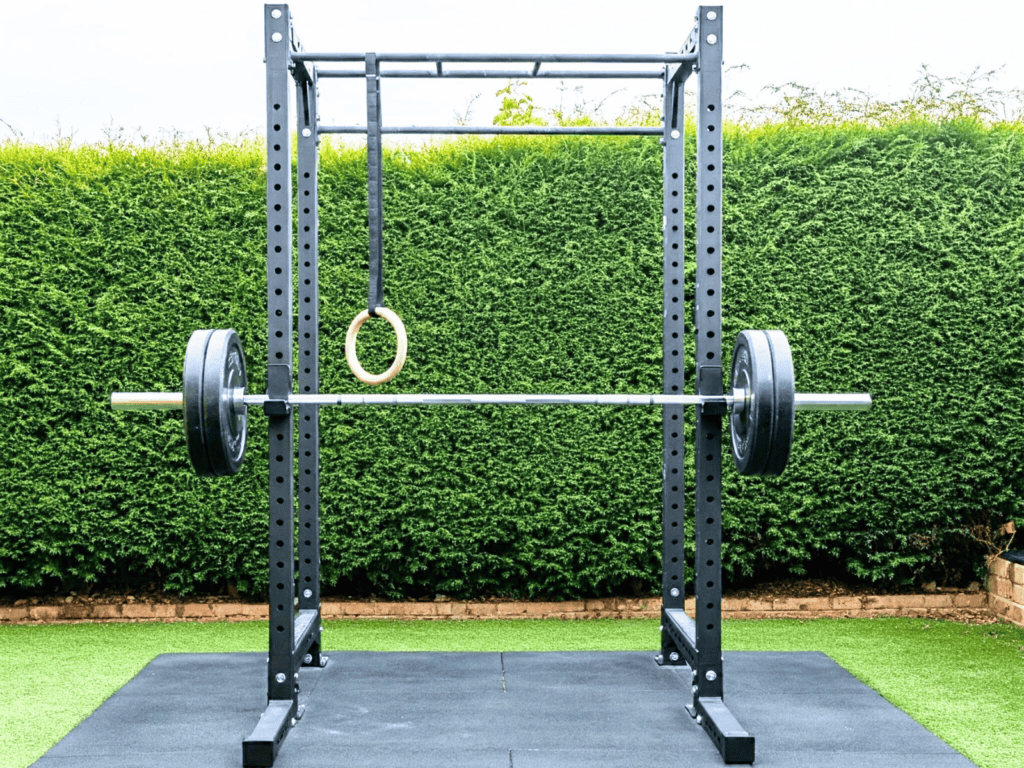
350,347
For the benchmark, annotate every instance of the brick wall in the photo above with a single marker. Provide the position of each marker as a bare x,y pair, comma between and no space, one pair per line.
1006,590
933,606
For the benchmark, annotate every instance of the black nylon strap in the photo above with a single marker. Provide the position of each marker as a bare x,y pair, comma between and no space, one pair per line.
375,183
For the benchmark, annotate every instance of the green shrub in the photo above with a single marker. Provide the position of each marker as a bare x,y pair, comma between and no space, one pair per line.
891,257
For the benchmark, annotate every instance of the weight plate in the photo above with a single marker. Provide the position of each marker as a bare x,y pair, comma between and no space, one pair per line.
192,392
752,422
785,400
224,428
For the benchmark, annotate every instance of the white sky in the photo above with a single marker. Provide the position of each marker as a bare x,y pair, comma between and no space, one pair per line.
152,66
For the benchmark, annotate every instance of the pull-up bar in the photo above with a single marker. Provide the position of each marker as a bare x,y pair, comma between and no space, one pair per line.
505,58
543,130
537,59
504,74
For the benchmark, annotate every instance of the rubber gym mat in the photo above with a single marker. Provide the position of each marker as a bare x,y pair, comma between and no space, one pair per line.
518,710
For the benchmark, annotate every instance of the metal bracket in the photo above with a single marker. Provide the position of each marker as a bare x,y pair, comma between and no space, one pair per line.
709,384
279,387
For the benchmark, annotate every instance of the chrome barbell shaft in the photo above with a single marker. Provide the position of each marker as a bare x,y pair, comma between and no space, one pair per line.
498,399
144,401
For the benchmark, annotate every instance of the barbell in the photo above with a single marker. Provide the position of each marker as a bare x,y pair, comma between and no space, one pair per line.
762,401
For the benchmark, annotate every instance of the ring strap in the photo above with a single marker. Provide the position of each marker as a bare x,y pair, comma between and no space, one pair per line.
375,184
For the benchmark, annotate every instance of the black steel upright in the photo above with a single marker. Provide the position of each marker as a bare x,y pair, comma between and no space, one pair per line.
295,626
673,494
699,640
708,355
292,632
309,364
733,742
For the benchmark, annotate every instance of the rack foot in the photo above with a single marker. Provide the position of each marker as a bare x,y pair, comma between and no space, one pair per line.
734,744
262,745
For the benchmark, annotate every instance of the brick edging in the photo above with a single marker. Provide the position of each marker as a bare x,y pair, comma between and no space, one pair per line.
1006,590
933,605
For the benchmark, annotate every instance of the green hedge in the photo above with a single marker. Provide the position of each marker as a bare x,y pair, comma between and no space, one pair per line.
891,257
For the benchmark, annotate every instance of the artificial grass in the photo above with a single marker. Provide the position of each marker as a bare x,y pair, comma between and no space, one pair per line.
959,681
55,675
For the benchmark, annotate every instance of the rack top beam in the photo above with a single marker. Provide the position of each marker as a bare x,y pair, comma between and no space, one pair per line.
506,58
450,74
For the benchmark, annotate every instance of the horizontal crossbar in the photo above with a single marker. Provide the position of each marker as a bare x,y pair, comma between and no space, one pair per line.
307,629
681,628
506,58
503,74
543,130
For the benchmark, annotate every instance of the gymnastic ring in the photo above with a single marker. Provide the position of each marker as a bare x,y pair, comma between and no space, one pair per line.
350,347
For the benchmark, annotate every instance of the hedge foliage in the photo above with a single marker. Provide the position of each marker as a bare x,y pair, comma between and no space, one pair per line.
893,258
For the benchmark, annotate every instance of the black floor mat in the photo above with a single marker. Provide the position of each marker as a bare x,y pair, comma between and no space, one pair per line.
524,710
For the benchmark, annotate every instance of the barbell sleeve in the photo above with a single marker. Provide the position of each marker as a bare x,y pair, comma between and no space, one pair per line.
147,401
805,401
169,401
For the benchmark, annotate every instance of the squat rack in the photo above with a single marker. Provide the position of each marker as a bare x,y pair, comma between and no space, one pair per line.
295,635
